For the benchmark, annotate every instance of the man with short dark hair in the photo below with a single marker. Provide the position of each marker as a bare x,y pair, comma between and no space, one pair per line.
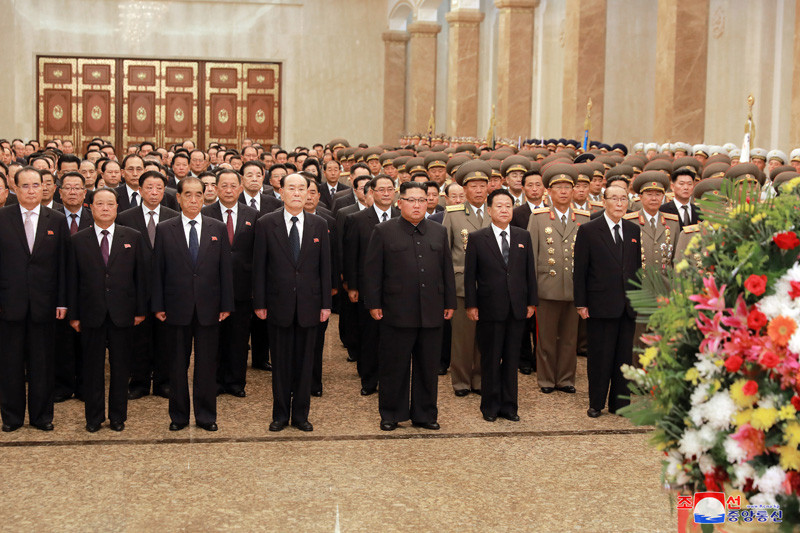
682,186
128,193
331,185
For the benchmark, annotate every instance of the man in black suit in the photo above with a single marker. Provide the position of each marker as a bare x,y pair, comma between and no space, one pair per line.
192,293
433,198
107,298
33,295
534,196
331,184
358,232
500,294
347,197
128,192
148,366
607,257
275,174
292,290
411,290
683,187
240,223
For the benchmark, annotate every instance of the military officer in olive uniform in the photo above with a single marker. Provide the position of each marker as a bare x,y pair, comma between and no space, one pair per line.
459,221
553,230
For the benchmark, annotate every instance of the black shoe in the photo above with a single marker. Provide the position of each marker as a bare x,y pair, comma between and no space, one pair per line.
513,418
526,370
62,397
388,426
583,354
367,391
43,427
303,426
277,426
442,371
174,426
211,426
462,392
316,393
476,391
426,425
135,394
92,428
351,359
8,428
239,393
569,389
547,390
264,366
593,413
116,426
489,418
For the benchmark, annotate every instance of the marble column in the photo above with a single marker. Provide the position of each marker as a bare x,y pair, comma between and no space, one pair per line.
394,85
794,133
682,54
514,67
462,72
584,67
422,74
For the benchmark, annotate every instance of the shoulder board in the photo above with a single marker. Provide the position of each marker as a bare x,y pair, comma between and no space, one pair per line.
669,216
596,204
540,210
631,216
451,208
581,212
691,229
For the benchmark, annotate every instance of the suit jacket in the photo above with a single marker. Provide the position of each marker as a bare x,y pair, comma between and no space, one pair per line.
325,193
124,202
134,218
460,221
670,207
11,199
86,218
334,240
244,235
342,199
34,282
601,275
438,216
269,204
181,288
118,289
521,215
322,210
342,222
355,242
412,291
495,288
286,289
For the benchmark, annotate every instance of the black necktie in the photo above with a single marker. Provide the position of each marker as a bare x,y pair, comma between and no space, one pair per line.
617,238
253,203
686,220
104,251
134,203
151,229
504,246
194,242
384,217
294,239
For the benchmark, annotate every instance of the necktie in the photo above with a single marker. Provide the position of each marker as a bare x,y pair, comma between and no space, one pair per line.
504,246
253,203
384,217
480,214
294,240
151,228
229,223
617,238
653,223
516,202
29,235
686,220
73,225
564,220
104,246
333,191
134,202
194,242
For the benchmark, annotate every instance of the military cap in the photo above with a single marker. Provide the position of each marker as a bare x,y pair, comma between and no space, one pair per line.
783,178
559,173
435,159
637,163
406,153
495,164
778,155
778,170
341,154
372,153
415,164
337,143
473,170
358,155
745,171
386,147
711,186
728,147
650,147
486,156
455,162
719,158
583,158
573,143
400,163
349,153
467,148
529,153
585,172
438,148
700,149
758,153
502,155
558,156
794,155
626,171
652,180
688,162
665,148
387,158
598,169
714,149
515,162
541,153
638,148
606,161
450,150
682,147
551,143
715,170
561,142
536,168
735,154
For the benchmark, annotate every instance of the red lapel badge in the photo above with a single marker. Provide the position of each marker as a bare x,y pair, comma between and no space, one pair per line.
127,245
213,238
247,223
521,245
633,240
50,232
316,240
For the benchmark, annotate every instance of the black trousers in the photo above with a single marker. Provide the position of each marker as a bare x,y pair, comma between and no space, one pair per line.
408,355
27,348
610,346
120,345
447,340
527,358
319,344
204,382
149,363
259,343
368,330
234,332
292,360
499,344
68,374
348,327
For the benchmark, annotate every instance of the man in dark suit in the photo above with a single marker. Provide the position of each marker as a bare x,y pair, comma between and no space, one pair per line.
331,184
292,290
500,294
356,238
607,257
411,290
33,295
148,366
107,298
240,222
682,186
128,192
192,293
433,199
275,173
347,197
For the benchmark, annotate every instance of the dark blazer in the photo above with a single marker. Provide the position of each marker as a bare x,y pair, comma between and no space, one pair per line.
11,199
334,241
325,193
33,281
493,287
438,216
286,289
601,277
356,239
413,292
86,220
342,199
179,287
321,209
118,289
341,228
269,204
134,218
244,235
670,207
124,202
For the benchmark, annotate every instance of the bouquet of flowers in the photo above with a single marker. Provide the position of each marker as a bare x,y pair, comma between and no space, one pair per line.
719,376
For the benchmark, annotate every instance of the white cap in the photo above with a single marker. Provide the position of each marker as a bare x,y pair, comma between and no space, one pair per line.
728,147
666,147
638,147
700,149
682,146
715,149
650,146
795,155
777,154
758,153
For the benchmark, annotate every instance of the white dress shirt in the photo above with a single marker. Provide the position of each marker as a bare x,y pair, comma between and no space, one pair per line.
536,206
361,206
559,214
499,238
482,209
98,231
680,208
257,198
146,210
187,227
34,217
130,194
234,213
287,217
611,225
380,213
648,217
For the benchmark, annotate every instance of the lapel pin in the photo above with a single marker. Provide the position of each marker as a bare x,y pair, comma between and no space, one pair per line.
247,223
50,232
127,245
521,245
213,238
316,240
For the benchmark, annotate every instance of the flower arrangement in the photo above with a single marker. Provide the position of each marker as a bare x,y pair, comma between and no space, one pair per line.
719,376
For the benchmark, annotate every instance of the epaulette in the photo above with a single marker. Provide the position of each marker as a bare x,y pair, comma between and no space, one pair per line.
691,229
581,212
596,204
540,210
631,216
669,216
451,208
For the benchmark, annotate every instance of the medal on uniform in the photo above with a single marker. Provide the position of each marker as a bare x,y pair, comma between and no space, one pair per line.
549,240
464,237
548,230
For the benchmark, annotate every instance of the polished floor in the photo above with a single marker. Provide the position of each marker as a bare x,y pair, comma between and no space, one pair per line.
555,470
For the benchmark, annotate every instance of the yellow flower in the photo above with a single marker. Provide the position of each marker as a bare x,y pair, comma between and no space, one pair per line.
787,412
792,433
692,375
711,247
788,187
683,265
716,226
742,417
693,242
764,418
744,208
758,218
739,397
789,457
647,357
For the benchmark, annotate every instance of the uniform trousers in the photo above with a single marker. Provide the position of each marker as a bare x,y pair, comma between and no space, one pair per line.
204,381
292,351
555,353
233,334
465,358
499,342
120,346
610,347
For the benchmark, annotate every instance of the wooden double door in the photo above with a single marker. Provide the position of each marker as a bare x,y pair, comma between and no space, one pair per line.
127,101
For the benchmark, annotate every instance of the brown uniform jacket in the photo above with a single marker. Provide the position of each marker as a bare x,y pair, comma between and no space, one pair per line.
459,221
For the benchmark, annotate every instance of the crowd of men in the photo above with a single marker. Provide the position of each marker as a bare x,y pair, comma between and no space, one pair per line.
439,256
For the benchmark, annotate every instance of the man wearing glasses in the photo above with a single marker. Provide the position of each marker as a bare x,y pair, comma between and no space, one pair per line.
128,193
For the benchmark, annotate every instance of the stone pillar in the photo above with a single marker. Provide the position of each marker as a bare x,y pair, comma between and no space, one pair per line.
682,54
422,72
514,67
394,85
794,133
462,72
584,67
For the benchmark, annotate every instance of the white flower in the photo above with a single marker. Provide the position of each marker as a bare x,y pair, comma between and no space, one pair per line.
771,306
735,453
719,410
706,464
690,444
741,473
707,436
794,342
771,482
697,414
707,368
674,472
766,500
699,394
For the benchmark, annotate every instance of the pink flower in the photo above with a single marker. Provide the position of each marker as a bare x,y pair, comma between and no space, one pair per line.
769,359
751,440
712,298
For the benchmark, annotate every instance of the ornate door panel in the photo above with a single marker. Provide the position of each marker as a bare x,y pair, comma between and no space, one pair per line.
57,107
223,87
140,101
261,101
96,100
180,101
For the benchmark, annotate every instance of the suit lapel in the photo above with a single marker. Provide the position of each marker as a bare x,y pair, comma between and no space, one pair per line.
308,234
491,241
606,236
19,227
556,221
41,228
472,217
205,241
283,236
177,232
116,245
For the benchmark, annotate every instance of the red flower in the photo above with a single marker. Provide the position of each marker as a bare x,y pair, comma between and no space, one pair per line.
733,363
711,483
795,292
792,482
757,285
796,402
769,360
786,241
756,320
750,388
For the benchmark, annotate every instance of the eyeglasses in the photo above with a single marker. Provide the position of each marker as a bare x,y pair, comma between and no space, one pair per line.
618,199
384,190
27,186
416,201
72,189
